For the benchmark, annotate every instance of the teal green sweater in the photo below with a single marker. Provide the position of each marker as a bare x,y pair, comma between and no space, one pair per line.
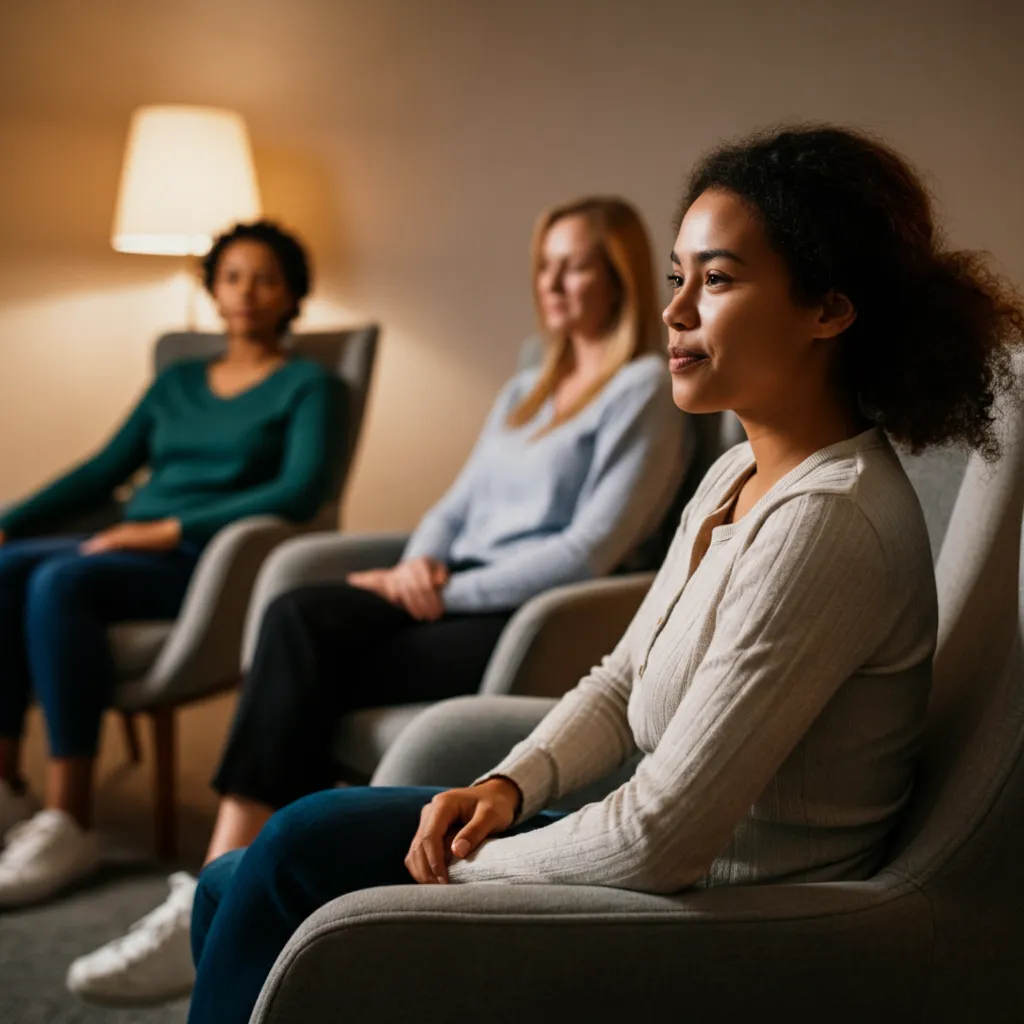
272,450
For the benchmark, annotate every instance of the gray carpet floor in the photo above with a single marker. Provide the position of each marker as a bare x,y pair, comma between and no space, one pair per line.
37,944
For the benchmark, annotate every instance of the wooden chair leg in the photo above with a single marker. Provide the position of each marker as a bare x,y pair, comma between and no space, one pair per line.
131,737
165,744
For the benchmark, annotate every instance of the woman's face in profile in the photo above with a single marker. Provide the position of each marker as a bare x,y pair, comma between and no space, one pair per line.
575,289
737,339
250,291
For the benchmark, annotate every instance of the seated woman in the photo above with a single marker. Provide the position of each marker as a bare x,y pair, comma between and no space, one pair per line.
251,433
577,464
776,675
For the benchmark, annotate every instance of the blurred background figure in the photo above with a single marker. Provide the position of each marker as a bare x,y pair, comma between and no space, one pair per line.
251,433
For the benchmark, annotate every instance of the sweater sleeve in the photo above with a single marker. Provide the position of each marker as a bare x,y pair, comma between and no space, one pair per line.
801,614
89,484
315,436
443,522
636,469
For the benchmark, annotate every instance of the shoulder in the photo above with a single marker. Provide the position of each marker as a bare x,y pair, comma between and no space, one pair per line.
299,370
866,472
859,495
304,378
639,393
646,375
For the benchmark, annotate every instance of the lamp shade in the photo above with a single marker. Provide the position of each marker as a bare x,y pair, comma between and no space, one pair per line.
187,175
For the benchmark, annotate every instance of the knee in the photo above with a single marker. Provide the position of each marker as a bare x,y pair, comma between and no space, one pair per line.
215,878
286,612
56,584
214,882
292,831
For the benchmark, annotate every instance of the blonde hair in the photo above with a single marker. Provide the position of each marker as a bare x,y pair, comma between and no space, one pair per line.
620,233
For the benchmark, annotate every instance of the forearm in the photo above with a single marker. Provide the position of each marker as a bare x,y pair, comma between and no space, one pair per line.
83,488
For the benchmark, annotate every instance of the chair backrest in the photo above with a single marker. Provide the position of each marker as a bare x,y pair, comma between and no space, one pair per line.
349,354
974,739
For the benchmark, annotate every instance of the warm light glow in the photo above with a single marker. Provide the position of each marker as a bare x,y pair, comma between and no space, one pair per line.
188,174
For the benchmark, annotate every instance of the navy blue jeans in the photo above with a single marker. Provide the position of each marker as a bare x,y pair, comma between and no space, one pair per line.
55,607
249,903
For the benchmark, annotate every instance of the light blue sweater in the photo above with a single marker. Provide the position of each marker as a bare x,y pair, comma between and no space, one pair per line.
570,505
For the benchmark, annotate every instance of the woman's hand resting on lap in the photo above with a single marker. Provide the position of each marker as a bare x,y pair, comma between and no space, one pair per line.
414,585
481,810
160,535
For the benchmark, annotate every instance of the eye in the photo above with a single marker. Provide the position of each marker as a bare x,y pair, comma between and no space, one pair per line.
717,277
675,280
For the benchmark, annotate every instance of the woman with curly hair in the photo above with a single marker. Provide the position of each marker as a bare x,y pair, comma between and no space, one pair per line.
777,674
254,432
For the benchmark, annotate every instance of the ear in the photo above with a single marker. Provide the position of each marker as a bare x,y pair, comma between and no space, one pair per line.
837,314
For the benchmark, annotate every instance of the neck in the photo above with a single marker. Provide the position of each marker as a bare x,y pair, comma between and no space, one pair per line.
244,348
588,354
782,437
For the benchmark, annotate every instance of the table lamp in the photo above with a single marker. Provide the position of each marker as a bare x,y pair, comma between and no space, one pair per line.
188,174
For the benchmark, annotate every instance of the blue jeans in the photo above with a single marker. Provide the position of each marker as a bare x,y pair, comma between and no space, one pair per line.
55,607
250,902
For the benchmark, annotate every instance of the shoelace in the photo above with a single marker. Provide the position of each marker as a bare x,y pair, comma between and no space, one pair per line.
146,934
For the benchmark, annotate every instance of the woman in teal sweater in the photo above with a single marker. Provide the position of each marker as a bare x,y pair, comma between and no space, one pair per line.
251,433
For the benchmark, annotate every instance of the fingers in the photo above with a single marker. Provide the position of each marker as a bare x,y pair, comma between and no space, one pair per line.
427,860
414,584
470,836
438,817
439,574
417,866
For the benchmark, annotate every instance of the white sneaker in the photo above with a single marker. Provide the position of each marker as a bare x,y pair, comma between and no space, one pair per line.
45,854
151,963
14,807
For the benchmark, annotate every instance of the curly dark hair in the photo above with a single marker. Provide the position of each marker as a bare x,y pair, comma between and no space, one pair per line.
290,253
932,342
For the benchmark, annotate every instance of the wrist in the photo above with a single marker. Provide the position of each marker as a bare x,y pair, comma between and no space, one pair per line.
172,529
506,790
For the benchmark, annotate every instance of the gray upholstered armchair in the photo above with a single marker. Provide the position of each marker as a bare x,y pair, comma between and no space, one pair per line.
933,937
163,665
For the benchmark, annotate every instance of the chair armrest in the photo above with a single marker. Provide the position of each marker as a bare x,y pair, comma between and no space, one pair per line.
202,653
557,637
845,952
456,741
317,558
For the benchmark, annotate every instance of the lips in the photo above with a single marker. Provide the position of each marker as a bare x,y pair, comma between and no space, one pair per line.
681,359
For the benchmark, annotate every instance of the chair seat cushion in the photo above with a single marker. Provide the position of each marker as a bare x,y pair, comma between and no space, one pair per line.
135,646
363,736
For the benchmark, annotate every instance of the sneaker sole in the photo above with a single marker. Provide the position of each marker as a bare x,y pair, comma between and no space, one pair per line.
124,1001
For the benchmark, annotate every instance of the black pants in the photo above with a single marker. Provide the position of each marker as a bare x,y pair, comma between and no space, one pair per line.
326,650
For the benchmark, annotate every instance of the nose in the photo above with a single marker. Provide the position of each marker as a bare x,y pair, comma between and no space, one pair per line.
681,312
551,280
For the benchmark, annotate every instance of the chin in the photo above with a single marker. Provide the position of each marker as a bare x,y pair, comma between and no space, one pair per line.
692,399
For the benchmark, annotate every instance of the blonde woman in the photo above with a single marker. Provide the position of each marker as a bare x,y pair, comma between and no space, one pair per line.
576,465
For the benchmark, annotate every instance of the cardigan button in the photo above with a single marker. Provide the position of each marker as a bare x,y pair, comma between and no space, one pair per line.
641,672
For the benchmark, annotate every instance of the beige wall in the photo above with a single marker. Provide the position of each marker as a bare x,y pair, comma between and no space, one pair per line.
412,142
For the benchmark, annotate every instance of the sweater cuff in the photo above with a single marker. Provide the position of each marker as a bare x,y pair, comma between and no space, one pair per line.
533,772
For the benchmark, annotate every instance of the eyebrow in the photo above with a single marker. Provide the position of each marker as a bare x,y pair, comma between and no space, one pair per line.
707,255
